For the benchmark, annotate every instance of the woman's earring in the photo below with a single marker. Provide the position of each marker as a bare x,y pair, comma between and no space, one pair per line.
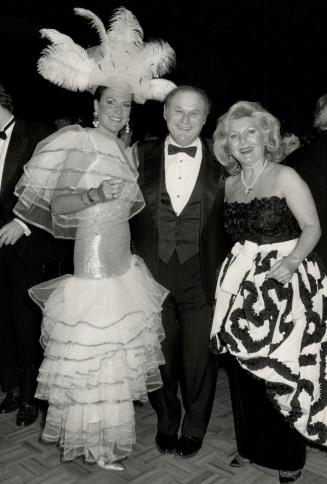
95,121
127,127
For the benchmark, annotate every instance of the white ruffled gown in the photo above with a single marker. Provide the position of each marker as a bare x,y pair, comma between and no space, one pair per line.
101,334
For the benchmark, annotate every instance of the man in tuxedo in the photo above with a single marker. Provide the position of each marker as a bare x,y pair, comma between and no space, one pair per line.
310,161
25,253
180,236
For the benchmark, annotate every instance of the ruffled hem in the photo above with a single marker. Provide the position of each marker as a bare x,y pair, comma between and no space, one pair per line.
91,431
102,350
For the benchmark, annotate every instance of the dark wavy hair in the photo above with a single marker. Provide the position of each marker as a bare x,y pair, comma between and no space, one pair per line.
99,91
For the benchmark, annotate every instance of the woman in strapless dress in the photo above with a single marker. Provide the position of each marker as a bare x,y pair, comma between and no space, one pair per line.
271,306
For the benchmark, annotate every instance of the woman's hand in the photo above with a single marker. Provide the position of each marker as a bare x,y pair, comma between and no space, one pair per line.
69,202
283,270
107,190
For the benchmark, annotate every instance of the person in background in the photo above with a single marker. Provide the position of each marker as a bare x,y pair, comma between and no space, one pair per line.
310,162
101,328
25,256
180,236
271,313
291,143
62,122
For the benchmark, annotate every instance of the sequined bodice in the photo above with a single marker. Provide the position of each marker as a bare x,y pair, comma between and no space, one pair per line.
105,253
264,221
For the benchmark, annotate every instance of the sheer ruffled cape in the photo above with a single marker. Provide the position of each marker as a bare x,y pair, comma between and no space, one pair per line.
77,159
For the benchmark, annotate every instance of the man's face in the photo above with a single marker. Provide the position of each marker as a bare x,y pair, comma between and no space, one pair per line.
185,115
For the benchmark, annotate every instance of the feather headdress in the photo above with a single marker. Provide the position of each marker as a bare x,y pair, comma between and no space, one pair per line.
122,57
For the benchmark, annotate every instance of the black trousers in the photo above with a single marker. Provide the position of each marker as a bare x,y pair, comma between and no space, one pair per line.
187,320
262,433
20,318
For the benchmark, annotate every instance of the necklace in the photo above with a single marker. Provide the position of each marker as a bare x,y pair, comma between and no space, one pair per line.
249,188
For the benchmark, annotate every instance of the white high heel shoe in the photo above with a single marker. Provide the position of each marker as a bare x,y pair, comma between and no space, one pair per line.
113,466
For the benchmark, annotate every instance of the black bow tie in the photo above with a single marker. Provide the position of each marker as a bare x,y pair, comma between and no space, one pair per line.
3,134
189,150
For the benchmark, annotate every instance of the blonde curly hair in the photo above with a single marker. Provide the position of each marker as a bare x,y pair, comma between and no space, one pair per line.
267,122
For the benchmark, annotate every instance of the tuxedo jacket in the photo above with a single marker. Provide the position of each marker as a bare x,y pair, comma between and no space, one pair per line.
39,248
213,243
310,162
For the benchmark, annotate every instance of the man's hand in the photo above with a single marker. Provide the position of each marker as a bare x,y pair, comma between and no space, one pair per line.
10,233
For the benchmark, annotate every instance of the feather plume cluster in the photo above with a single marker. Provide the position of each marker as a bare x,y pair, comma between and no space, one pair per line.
122,56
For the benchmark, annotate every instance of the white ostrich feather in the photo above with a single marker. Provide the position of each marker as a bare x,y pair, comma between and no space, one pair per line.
57,37
96,23
159,58
65,63
159,88
121,58
97,52
124,27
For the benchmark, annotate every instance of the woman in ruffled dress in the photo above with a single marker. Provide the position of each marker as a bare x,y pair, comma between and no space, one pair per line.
101,328
271,307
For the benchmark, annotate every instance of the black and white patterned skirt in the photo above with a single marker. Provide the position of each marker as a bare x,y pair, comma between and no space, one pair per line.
277,332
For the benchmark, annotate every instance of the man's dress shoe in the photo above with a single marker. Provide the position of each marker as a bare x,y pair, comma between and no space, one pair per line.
10,403
188,446
27,414
165,443
289,476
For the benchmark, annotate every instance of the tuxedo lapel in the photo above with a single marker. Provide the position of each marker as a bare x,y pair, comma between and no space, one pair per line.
14,156
211,174
153,171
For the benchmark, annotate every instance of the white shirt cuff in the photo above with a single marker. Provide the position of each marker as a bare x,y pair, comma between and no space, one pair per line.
27,231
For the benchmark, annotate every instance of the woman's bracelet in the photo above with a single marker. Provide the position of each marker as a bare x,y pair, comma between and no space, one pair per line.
84,200
90,198
87,199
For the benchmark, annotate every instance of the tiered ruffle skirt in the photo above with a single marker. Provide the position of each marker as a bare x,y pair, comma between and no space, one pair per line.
102,351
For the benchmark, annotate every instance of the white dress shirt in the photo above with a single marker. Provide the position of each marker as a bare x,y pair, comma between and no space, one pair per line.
181,173
4,143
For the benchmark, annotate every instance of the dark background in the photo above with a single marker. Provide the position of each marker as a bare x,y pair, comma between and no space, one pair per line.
271,51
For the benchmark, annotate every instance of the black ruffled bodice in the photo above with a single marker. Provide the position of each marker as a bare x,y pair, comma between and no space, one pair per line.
264,221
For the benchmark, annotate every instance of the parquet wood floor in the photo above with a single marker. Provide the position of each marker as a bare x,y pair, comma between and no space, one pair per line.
24,460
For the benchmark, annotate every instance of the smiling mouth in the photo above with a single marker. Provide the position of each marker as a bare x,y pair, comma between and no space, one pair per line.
246,150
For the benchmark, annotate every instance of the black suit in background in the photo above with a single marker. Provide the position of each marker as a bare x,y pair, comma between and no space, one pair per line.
188,310
21,266
310,162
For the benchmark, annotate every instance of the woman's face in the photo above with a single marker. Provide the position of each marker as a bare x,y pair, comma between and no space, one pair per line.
246,140
113,109
291,142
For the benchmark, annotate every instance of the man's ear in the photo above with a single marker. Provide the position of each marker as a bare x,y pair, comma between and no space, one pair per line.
164,113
